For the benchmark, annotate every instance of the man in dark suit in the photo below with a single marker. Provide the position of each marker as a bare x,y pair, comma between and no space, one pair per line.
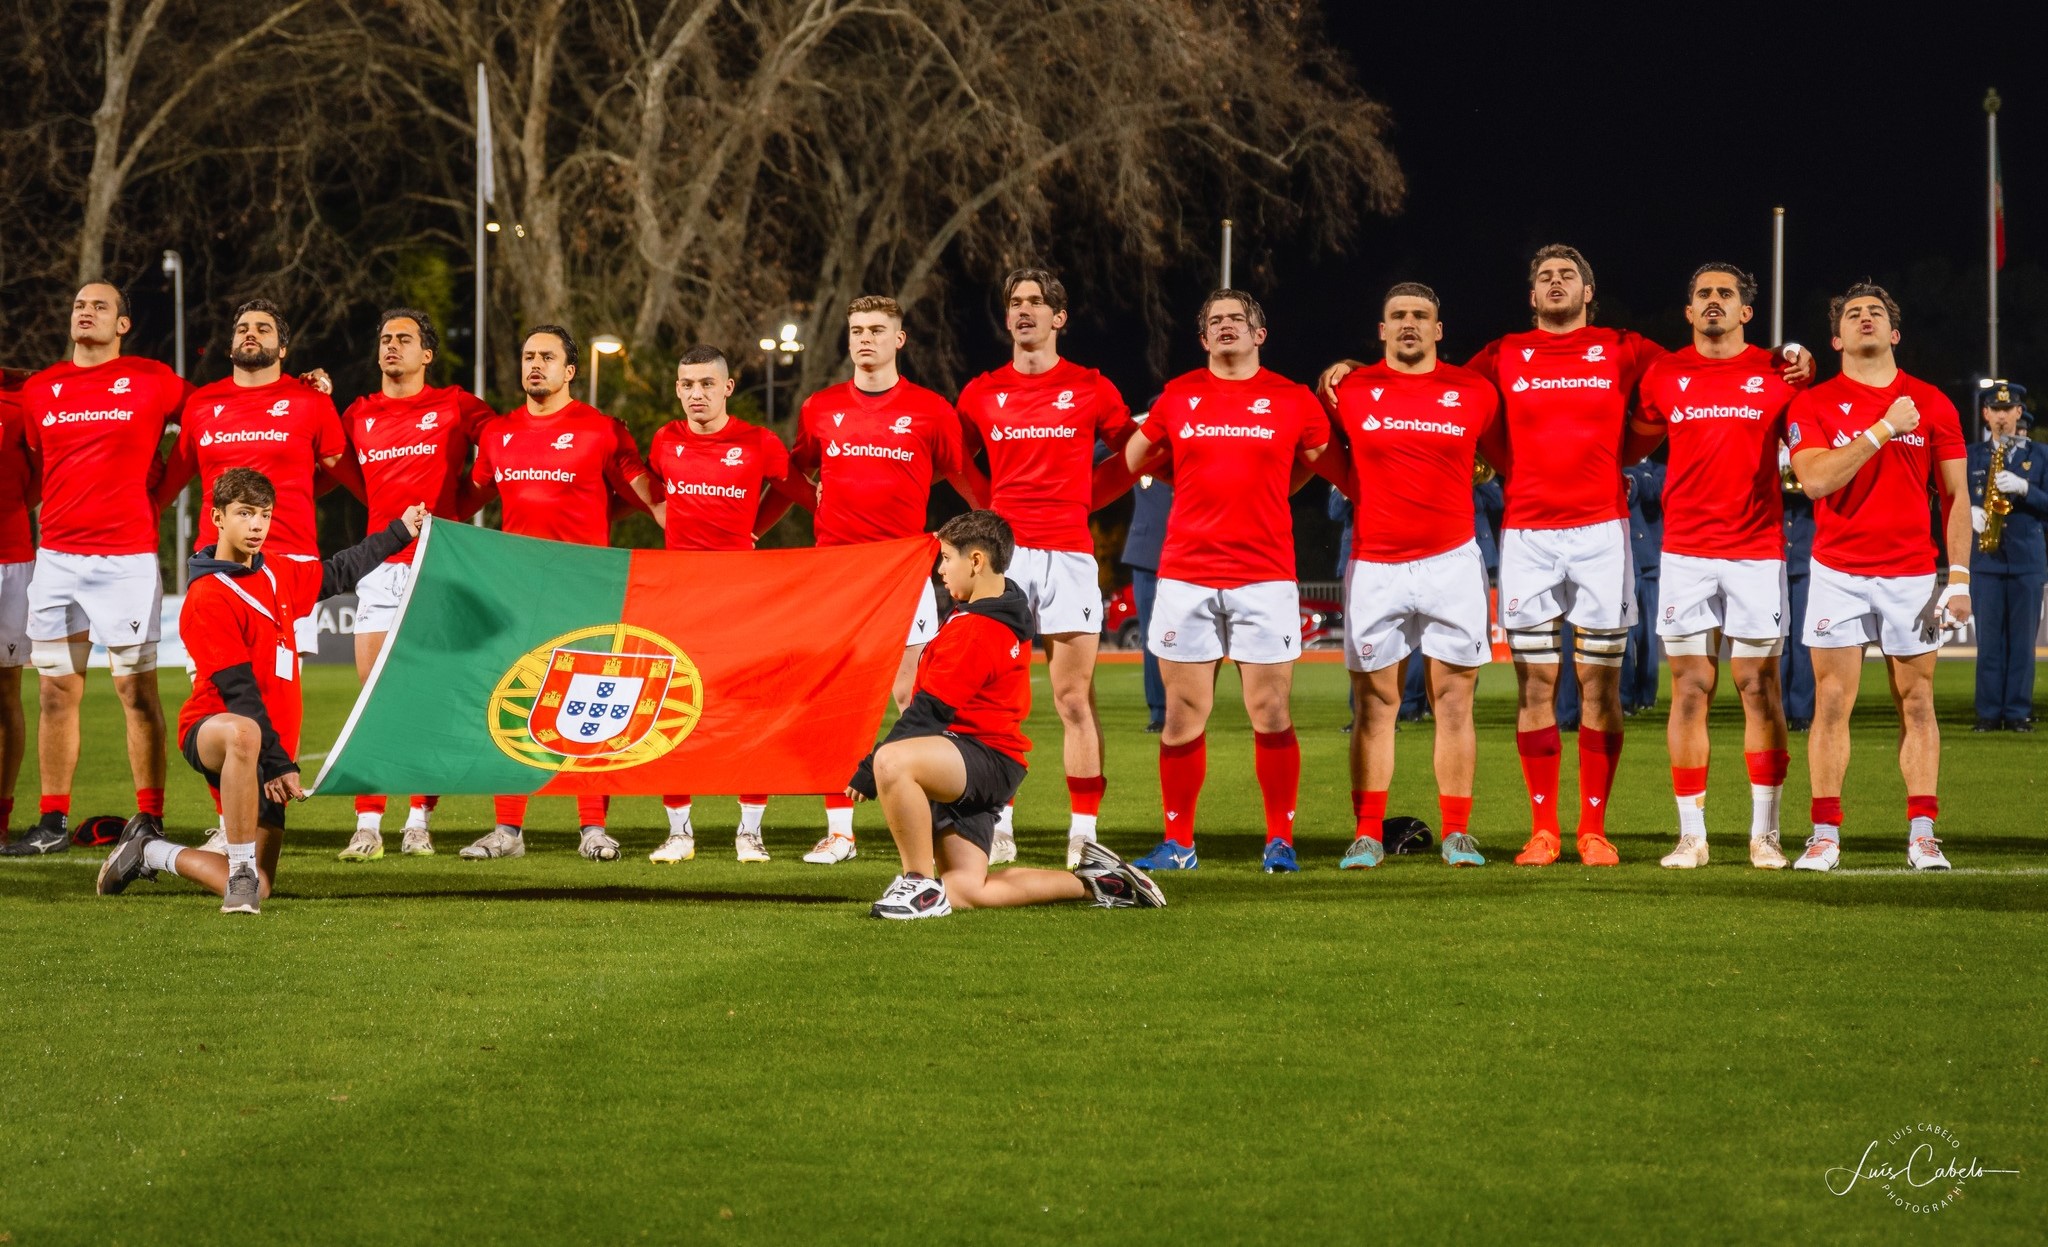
2005,584
1795,671
1646,543
1151,499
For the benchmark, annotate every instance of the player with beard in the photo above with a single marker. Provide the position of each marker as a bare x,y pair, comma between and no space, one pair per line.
556,465
1039,417
716,474
1227,586
1416,581
91,428
411,443
1868,446
282,427
1722,404
874,444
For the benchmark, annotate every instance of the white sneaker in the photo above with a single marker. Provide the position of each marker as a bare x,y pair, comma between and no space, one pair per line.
500,841
674,849
416,843
367,845
1924,853
598,846
217,842
912,898
832,850
1076,846
1691,852
1821,854
1765,852
1002,847
747,847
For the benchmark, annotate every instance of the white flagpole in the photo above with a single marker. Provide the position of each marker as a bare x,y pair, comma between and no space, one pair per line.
1777,277
1991,102
486,193
1227,224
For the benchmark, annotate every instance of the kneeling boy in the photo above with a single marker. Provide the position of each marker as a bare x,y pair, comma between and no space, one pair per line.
240,726
956,756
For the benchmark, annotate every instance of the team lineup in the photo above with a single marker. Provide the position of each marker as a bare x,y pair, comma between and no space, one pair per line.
1034,446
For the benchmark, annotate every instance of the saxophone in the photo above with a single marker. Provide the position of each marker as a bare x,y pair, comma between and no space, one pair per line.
1996,505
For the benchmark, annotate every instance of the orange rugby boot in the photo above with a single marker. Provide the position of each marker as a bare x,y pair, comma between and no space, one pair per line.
1595,850
1541,850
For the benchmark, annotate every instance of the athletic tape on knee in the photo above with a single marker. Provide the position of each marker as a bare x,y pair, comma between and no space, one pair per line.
60,657
1746,647
1692,645
132,659
1543,643
1601,649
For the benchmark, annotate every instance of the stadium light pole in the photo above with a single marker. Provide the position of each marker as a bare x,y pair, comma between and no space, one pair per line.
786,346
600,346
174,268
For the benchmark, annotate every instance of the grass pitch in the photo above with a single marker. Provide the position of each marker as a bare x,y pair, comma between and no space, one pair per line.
560,1051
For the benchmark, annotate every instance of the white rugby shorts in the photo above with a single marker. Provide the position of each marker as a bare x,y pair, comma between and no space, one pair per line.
117,598
1744,598
1900,613
14,581
1060,587
925,625
302,572
378,595
1258,623
1436,605
1586,574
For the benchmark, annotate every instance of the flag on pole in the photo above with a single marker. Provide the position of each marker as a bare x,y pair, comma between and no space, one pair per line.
525,666
1998,203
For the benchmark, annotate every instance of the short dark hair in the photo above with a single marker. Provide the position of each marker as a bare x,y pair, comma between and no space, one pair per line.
276,315
245,485
1254,315
980,530
1865,289
429,338
702,354
568,340
120,296
1411,290
1559,251
1745,284
1048,285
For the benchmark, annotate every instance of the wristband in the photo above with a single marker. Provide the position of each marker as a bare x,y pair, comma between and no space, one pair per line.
1870,435
1952,593
1957,569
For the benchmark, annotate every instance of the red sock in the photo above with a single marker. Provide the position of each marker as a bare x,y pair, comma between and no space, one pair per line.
6,811
426,803
590,811
1456,813
753,798
1276,759
370,805
675,800
150,801
511,811
1691,781
1182,768
1827,811
1599,754
1923,807
1357,803
1768,766
1371,808
1084,796
1540,750
838,801
60,803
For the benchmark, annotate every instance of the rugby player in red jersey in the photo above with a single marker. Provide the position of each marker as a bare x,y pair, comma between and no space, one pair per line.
17,564
1416,580
874,444
281,426
94,426
1227,587
240,727
410,442
955,756
556,466
1039,417
1722,403
716,472
1868,446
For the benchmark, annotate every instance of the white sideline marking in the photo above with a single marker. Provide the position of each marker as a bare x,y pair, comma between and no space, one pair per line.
1964,870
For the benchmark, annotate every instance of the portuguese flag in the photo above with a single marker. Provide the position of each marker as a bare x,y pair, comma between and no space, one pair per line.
525,666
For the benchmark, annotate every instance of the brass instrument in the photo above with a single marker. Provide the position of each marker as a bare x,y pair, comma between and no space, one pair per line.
1482,471
1788,481
1996,505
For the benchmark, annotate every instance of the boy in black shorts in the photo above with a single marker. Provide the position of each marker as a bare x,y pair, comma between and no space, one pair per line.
956,756
240,726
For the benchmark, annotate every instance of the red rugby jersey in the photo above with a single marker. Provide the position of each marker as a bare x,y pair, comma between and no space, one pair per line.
875,456
282,429
713,483
1877,524
1040,433
1724,419
95,431
413,450
1413,440
556,476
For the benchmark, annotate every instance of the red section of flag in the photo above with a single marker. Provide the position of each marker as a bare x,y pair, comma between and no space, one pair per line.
788,656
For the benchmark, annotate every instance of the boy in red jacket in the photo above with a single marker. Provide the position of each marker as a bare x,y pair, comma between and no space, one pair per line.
956,755
240,726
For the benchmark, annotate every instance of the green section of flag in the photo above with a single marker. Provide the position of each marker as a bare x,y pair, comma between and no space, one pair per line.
480,600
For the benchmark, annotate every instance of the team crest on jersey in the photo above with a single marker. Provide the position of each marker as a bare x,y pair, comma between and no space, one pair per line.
901,425
428,421
732,456
281,408
602,698
1595,353
120,386
1792,436
1261,406
1755,385
1683,382
1065,402
1449,398
564,442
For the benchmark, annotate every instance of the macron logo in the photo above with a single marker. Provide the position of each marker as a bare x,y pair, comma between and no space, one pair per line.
1683,382
1002,398
57,390
1376,392
1194,401
369,422
838,418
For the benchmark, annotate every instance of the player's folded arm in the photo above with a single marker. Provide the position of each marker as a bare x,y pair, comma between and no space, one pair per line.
341,573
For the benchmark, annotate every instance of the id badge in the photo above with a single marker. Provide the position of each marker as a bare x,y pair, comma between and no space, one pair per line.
287,662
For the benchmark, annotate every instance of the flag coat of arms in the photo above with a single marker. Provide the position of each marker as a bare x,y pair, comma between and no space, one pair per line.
518,665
